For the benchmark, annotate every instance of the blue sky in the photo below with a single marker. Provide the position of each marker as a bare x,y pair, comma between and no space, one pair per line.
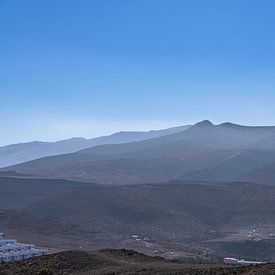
92,67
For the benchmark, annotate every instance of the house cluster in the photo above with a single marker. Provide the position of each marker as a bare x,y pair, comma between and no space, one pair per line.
11,250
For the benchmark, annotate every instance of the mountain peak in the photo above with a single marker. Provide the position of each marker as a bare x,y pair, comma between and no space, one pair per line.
229,124
204,123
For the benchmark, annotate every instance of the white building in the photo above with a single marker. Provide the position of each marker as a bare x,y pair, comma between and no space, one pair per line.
11,250
240,262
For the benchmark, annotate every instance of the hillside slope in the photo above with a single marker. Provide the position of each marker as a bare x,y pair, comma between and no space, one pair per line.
204,216
120,262
264,174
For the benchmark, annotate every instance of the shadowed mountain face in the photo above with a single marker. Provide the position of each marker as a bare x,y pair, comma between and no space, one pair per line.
19,153
225,152
184,154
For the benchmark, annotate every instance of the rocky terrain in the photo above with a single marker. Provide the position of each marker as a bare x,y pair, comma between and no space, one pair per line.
121,262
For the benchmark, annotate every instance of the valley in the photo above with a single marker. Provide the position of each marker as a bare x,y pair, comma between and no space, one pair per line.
173,219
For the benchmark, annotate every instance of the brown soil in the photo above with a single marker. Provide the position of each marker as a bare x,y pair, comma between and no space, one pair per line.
120,262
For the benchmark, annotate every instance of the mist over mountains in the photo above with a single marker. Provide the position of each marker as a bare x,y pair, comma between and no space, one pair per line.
125,190
22,152
205,152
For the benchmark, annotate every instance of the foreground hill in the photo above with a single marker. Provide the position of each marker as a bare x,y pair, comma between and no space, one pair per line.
18,153
175,218
120,262
208,152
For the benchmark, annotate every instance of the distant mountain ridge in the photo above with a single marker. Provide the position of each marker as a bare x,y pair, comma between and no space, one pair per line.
22,152
208,152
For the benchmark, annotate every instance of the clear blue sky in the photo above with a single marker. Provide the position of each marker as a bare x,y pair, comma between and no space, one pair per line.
91,67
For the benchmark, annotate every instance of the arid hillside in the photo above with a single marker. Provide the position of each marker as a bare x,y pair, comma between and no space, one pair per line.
121,262
169,219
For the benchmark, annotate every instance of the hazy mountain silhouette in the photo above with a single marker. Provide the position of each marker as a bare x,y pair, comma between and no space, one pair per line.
22,152
205,151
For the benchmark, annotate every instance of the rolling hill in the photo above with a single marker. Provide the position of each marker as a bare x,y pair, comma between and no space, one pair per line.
225,152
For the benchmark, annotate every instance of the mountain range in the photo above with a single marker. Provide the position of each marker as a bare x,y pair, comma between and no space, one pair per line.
22,152
184,191
205,152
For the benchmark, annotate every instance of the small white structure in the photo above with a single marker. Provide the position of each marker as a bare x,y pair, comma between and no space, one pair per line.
240,262
11,250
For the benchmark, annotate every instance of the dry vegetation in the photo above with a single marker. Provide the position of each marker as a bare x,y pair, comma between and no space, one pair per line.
120,262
